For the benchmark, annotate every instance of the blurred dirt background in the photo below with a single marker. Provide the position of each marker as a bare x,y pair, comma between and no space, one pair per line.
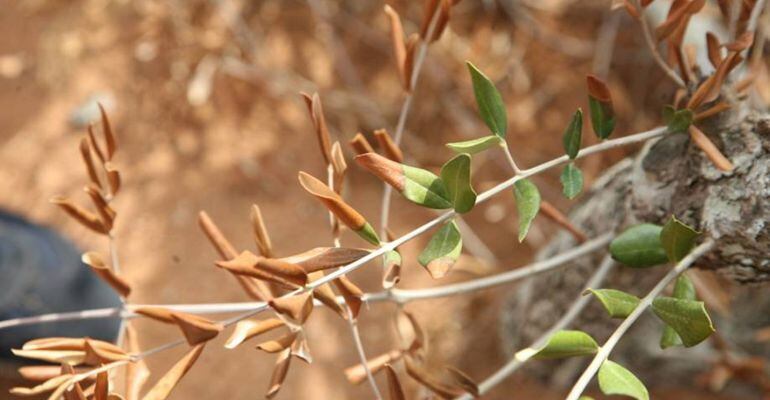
204,98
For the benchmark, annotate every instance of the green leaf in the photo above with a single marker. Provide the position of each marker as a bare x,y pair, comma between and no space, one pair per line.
685,290
474,146
425,188
367,233
442,250
668,113
602,117
571,181
614,379
677,239
567,344
573,134
527,203
678,120
490,102
639,246
618,304
456,174
687,317
586,398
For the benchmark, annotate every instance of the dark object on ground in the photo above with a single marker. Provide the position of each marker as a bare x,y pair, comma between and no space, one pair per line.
41,272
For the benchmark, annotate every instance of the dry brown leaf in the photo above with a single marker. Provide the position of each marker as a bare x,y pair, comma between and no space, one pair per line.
75,391
106,213
301,349
156,313
72,357
340,166
357,373
113,177
166,384
282,343
244,264
360,145
333,202
249,328
85,152
137,372
47,386
351,293
394,386
388,145
196,329
714,49
279,373
285,270
429,10
443,20
41,373
100,268
326,295
421,375
315,109
397,39
321,258
261,237
387,170
710,149
711,111
109,137
95,144
97,355
411,54
102,387
463,381
297,307
741,43
85,217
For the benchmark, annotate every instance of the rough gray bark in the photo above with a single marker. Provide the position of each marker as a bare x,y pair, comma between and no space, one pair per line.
668,176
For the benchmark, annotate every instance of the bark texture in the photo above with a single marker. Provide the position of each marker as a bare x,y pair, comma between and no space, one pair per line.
670,176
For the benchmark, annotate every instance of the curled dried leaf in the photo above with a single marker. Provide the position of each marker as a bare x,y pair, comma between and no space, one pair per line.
711,111
395,391
282,343
95,144
285,270
97,354
429,10
73,391
45,387
246,264
339,166
388,145
710,149
72,357
360,145
301,349
742,42
106,213
166,384
279,373
66,343
102,387
41,373
315,109
352,294
100,268
297,307
325,294
420,374
397,39
85,217
392,274
443,20
387,170
463,381
113,177
321,258
249,328
411,53
357,373
196,329
85,152
714,49
157,313
109,137
261,237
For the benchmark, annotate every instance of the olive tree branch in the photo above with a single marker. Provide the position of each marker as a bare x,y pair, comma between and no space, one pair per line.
582,301
613,340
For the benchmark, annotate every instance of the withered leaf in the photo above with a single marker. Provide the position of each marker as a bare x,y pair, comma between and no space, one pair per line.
156,313
357,373
388,145
315,109
100,268
463,381
714,49
85,217
196,329
74,391
72,357
351,293
360,145
321,258
109,137
326,295
397,39
106,213
279,373
710,149
301,349
113,177
41,373
276,345
288,271
85,152
44,387
261,237
101,390
394,386
420,374
742,42
249,328
96,354
297,307
166,384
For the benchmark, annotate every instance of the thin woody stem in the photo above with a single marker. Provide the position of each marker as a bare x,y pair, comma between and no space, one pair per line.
654,50
645,303
582,301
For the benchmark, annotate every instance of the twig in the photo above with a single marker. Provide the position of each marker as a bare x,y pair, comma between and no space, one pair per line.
407,295
606,349
582,301
654,50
